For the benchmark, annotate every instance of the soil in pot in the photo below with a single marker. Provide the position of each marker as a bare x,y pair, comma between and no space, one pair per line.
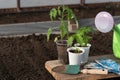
76,51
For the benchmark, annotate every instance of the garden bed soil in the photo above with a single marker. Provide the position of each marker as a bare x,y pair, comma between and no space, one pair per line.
23,58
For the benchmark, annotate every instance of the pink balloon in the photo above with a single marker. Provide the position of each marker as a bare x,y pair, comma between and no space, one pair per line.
104,22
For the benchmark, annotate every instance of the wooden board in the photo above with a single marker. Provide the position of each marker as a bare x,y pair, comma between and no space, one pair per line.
49,65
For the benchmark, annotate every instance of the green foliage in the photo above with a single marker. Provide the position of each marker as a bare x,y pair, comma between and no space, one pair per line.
77,50
61,13
70,40
53,14
63,29
48,34
81,36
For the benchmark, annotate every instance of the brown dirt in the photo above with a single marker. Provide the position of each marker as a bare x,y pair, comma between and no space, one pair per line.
23,58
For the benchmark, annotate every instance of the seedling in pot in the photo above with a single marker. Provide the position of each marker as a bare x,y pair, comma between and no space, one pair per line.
76,50
61,13
81,39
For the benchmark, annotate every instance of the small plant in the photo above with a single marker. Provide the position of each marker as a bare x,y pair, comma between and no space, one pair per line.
61,13
76,50
81,37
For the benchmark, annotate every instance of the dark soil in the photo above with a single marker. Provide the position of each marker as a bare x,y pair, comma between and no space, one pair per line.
75,51
23,58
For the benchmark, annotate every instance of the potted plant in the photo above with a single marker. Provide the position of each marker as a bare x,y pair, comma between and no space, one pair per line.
61,13
81,39
75,55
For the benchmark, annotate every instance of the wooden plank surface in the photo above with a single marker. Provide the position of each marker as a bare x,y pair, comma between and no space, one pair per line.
49,65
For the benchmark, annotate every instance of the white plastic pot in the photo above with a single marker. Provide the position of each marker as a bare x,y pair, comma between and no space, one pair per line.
75,58
86,53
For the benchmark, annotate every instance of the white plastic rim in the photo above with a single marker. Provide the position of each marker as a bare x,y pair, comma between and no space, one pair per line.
104,22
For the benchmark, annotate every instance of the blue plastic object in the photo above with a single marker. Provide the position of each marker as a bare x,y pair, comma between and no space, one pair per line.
105,63
109,64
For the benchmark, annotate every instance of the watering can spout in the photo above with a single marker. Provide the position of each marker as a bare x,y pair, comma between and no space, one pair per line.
116,41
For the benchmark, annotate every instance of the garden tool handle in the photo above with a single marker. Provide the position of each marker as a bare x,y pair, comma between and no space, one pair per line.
94,71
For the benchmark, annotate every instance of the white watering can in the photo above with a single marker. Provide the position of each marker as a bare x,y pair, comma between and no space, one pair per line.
104,22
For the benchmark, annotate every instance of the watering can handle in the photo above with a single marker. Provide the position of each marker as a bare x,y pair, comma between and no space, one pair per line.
116,41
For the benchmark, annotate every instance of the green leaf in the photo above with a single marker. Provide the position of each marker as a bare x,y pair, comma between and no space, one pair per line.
85,40
70,41
59,11
63,29
53,13
84,30
78,39
70,14
64,8
77,50
48,34
83,35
